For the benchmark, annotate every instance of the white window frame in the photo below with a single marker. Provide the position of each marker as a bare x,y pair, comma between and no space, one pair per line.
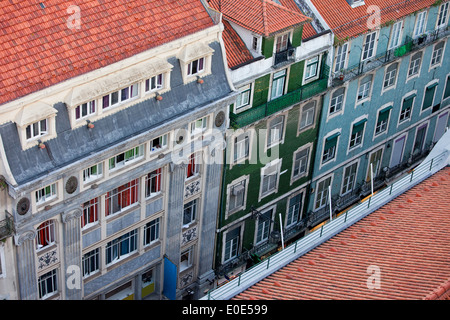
194,68
437,53
244,99
390,77
307,116
274,167
152,230
262,225
159,143
414,65
189,252
155,175
194,208
336,101
386,124
88,109
442,17
312,68
420,25
238,183
396,35
291,218
44,196
93,266
345,182
135,87
365,89
401,112
88,176
42,281
366,46
241,147
278,84
198,126
133,246
323,194
306,158
275,133
234,244
154,83
340,61
138,153
358,140
37,129
50,225
88,209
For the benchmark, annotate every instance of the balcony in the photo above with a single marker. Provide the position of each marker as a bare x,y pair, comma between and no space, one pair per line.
260,112
388,56
285,56
6,226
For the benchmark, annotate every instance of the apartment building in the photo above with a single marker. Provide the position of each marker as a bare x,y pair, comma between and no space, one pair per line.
109,181
278,59
389,98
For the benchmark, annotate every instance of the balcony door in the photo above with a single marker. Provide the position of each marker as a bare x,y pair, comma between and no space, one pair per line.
397,151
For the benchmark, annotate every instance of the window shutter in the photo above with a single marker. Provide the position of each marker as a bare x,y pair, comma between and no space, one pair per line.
408,102
447,88
359,126
331,141
384,114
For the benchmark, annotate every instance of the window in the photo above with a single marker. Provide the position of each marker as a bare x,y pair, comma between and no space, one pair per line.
312,67
269,177
193,167
322,193
126,157
158,143
341,56
196,67
243,99
153,183
275,132
295,206
282,42
337,100
429,96
154,83
443,14
300,165
349,179
91,262
199,125
237,196
115,98
45,234
48,284
232,244
255,44
375,161
396,35
241,147
93,173
437,53
390,75
46,194
364,87
382,121
369,46
122,197
263,228
186,258
419,142
85,110
414,65
447,89
37,129
405,112
278,83
307,115
120,292
90,213
420,24
121,247
357,134
190,212
151,232
329,149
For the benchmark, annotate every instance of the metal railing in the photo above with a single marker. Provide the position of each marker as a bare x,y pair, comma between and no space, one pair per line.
257,113
388,56
328,230
6,226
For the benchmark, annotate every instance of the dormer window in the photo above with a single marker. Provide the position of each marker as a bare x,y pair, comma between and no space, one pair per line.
117,97
196,66
154,83
355,3
85,110
37,129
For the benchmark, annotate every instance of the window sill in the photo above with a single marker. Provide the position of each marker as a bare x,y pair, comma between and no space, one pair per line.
90,227
122,260
124,211
46,249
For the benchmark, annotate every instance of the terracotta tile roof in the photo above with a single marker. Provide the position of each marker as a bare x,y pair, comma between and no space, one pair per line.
346,21
237,52
407,239
39,50
264,17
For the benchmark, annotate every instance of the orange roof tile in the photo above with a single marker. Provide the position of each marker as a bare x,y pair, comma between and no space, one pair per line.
263,17
237,52
40,50
407,239
346,21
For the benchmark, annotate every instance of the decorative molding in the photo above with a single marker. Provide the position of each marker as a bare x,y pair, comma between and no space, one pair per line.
47,259
192,189
71,185
23,205
74,214
186,278
220,119
28,235
189,235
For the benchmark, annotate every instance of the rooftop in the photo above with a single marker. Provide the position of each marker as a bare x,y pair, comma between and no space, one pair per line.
236,50
42,46
346,21
264,17
406,241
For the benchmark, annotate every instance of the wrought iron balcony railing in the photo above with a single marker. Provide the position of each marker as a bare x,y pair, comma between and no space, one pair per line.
6,226
286,55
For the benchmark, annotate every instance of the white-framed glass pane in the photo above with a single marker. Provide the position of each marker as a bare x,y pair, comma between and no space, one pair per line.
341,56
396,35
